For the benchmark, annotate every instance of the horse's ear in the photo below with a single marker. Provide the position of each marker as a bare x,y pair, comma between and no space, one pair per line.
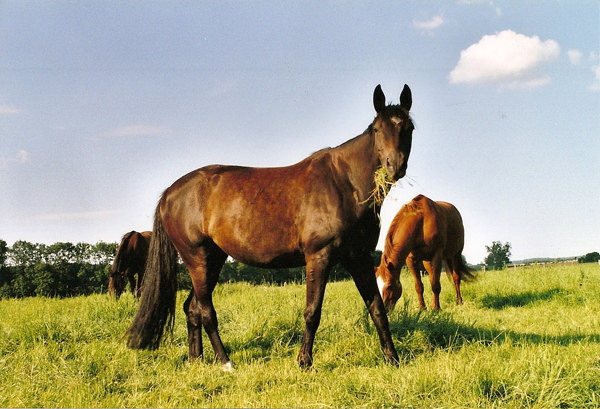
406,98
378,99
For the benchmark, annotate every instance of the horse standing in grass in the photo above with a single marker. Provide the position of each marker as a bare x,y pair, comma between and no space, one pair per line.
129,263
427,231
314,213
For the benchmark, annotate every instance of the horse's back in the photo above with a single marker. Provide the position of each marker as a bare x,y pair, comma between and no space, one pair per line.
233,206
420,225
455,231
410,227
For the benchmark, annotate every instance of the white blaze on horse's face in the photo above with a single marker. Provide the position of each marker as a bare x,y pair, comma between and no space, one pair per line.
381,285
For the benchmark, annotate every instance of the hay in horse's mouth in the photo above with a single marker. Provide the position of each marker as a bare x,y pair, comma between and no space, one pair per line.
383,184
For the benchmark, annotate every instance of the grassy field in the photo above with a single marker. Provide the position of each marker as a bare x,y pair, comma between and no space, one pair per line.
524,338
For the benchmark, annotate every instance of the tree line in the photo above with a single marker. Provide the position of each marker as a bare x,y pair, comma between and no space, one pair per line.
58,270
65,269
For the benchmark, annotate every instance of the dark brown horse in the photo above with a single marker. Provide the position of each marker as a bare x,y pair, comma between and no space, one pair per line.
314,213
129,263
427,231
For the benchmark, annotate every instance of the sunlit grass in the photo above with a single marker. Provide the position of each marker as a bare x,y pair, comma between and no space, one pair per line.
524,338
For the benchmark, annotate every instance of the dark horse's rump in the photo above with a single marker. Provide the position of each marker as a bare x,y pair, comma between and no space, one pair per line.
314,212
129,263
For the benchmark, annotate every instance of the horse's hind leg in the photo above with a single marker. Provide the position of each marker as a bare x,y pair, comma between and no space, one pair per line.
412,265
194,326
434,268
204,268
451,269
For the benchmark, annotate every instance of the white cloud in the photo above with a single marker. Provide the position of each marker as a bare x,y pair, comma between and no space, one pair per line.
8,110
574,56
138,130
21,157
431,24
506,58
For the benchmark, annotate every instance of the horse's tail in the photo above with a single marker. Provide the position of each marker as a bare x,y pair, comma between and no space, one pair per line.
156,310
464,272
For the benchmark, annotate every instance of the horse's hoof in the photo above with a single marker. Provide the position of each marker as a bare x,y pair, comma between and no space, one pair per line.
227,367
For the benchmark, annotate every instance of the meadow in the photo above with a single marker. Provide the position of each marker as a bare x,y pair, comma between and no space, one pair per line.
528,337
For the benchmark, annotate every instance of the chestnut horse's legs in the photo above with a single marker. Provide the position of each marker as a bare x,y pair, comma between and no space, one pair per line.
361,269
317,272
413,266
434,268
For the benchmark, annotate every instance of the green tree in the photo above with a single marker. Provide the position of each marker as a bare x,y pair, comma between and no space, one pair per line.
5,276
590,258
24,253
3,252
498,255
102,253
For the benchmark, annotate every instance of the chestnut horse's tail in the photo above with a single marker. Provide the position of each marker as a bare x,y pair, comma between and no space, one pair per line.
462,269
157,304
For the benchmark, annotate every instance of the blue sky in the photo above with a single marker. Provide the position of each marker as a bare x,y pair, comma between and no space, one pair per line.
103,104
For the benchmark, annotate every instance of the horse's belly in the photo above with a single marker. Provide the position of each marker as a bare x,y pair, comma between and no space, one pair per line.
268,260
263,245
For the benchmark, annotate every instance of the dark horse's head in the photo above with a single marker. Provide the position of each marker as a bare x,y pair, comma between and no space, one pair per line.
116,280
393,130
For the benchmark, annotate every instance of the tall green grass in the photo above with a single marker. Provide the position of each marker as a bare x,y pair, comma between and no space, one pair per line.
524,338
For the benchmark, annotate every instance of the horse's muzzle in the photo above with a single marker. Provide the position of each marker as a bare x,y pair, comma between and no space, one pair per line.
395,168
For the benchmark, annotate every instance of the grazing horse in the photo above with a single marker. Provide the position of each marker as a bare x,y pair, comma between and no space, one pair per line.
129,263
427,231
316,212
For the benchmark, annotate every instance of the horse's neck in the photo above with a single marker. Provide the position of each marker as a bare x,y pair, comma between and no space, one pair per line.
356,162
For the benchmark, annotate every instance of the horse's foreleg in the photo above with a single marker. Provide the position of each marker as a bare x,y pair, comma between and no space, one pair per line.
317,271
361,270
194,326
412,265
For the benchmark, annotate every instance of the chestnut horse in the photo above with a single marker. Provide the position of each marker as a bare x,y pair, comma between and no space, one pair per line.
314,213
427,231
129,263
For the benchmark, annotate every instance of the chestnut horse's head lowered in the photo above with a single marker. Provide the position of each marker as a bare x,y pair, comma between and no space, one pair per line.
315,213
388,281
